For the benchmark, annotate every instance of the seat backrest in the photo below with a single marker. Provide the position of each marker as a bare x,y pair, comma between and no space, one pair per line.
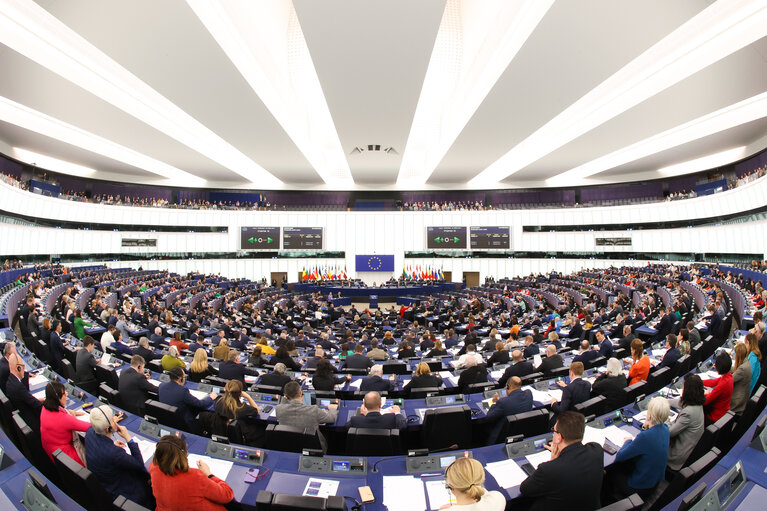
268,389
423,392
291,439
591,406
111,395
633,501
395,368
444,427
685,478
704,445
372,442
480,387
107,375
166,415
658,379
124,504
526,424
67,371
29,444
6,415
80,483
234,432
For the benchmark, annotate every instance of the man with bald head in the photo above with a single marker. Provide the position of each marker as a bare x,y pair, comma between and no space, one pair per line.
370,415
516,401
18,393
552,361
519,367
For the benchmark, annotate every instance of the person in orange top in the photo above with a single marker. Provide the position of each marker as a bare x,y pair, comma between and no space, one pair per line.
178,342
176,486
640,367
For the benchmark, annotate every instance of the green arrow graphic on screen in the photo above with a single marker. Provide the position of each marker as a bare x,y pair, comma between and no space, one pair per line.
456,240
437,239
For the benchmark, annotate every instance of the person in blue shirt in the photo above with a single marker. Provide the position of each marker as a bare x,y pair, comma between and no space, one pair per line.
672,353
648,451
118,472
754,358
174,393
120,346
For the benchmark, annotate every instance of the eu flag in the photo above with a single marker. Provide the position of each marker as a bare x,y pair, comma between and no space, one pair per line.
375,262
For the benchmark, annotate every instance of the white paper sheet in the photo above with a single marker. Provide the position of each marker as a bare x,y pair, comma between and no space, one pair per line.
540,396
445,374
616,435
356,384
536,360
322,488
593,435
453,380
219,468
506,473
39,394
497,374
403,493
146,447
556,394
199,394
36,380
438,494
538,458
156,383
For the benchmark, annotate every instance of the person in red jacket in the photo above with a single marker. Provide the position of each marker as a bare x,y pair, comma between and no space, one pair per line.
177,486
178,342
718,399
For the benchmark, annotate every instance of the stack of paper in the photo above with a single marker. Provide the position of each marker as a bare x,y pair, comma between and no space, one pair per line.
593,435
219,468
540,396
617,435
538,458
438,495
199,394
445,374
322,488
496,374
506,473
536,360
355,384
36,380
156,383
403,493
556,394
453,380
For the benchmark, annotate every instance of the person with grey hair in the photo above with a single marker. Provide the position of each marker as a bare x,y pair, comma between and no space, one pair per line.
172,360
145,351
8,349
277,378
375,381
611,384
293,412
118,472
648,451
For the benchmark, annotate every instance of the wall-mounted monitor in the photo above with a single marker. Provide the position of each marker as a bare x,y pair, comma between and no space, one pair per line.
497,238
259,238
447,238
302,238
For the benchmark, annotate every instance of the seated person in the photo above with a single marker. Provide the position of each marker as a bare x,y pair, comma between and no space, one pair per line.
118,472
221,351
145,351
687,429
474,373
177,486
120,346
370,415
172,359
178,342
282,356
465,479
324,376
531,349
108,337
423,379
516,401
500,356
134,387
231,369
277,378
672,353
174,393
640,363
199,369
554,484
293,412
552,361
358,360
437,351
256,358
57,423
586,354
470,354
575,392
231,407
519,367
405,351
375,381
85,366
649,453
719,398
17,391
375,352
611,384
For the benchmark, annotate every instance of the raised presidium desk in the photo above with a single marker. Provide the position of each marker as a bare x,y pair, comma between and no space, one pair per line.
382,291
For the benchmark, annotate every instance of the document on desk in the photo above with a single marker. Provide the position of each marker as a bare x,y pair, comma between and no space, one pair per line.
199,394
616,435
156,383
506,473
445,374
146,447
538,458
39,394
403,493
540,396
594,435
219,468
536,360
453,380
356,384
496,374
36,380
322,488
556,394
438,494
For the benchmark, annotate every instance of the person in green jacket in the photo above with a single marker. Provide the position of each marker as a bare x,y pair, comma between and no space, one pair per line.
78,325
172,360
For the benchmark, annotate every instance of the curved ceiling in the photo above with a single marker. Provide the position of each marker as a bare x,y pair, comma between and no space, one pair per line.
434,94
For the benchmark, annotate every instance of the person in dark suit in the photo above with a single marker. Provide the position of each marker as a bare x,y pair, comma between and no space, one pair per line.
157,338
665,325
9,348
423,379
586,354
133,386
277,378
17,391
370,415
499,356
376,382
451,339
572,479
672,353
231,369
573,393
552,361
118,472
426,344
519,367
358,360
714,322
531,349
56,346
474,373
628,336
611,384
603,344
324,377
283,357
174,393
85,366
576,331
145,351
516,401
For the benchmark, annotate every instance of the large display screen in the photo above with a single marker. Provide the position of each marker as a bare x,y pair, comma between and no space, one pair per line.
259,238
446,237
489,237
302,238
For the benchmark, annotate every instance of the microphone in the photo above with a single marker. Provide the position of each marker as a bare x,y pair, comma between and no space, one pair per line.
413,452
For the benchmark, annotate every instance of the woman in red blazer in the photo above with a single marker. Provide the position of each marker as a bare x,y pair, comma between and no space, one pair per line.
57,423
176,486
718,400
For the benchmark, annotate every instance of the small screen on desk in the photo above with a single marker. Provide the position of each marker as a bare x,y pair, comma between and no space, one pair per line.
241,454
539,444
341,466
608,421
446,461
164,432
325,403
449,400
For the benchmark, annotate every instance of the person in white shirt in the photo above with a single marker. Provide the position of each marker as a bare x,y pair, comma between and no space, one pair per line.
471,354
107,338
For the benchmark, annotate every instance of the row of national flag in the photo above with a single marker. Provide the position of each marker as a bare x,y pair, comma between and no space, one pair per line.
324,273
423,272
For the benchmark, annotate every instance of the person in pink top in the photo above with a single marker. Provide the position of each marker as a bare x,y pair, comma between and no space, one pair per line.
57,423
